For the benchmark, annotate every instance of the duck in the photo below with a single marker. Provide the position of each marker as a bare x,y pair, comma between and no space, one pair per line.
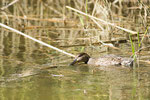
106,60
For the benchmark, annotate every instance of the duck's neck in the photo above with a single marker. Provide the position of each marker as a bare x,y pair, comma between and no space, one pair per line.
87,59
91,61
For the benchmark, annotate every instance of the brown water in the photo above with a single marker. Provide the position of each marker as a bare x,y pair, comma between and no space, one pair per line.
30,71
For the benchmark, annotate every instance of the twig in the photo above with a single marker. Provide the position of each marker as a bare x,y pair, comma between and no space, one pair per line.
9,4
108,45
105,22
145,61
141,49
43,43
59,20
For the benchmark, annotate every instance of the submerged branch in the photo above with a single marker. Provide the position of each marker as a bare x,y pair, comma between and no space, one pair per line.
105,22
43,43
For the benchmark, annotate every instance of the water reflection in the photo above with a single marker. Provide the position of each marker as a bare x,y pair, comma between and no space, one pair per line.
36,75
77,82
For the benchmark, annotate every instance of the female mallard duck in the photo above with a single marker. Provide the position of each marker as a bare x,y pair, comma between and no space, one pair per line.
106,60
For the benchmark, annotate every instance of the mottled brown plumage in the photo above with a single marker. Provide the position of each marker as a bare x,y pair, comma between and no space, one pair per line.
106,60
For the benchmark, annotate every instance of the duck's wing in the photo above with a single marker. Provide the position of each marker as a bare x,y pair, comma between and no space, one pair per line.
108,60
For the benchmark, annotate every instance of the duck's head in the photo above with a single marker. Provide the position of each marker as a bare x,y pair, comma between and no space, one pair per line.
82,57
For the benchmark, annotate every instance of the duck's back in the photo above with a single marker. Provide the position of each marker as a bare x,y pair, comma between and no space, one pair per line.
106,60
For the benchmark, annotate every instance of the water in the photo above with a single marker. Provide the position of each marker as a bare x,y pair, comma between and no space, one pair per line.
36,82
30,71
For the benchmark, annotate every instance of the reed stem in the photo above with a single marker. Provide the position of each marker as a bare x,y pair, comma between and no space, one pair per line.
43,43
104,22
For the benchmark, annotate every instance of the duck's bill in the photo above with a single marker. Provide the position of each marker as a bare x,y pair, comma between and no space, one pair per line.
73,62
